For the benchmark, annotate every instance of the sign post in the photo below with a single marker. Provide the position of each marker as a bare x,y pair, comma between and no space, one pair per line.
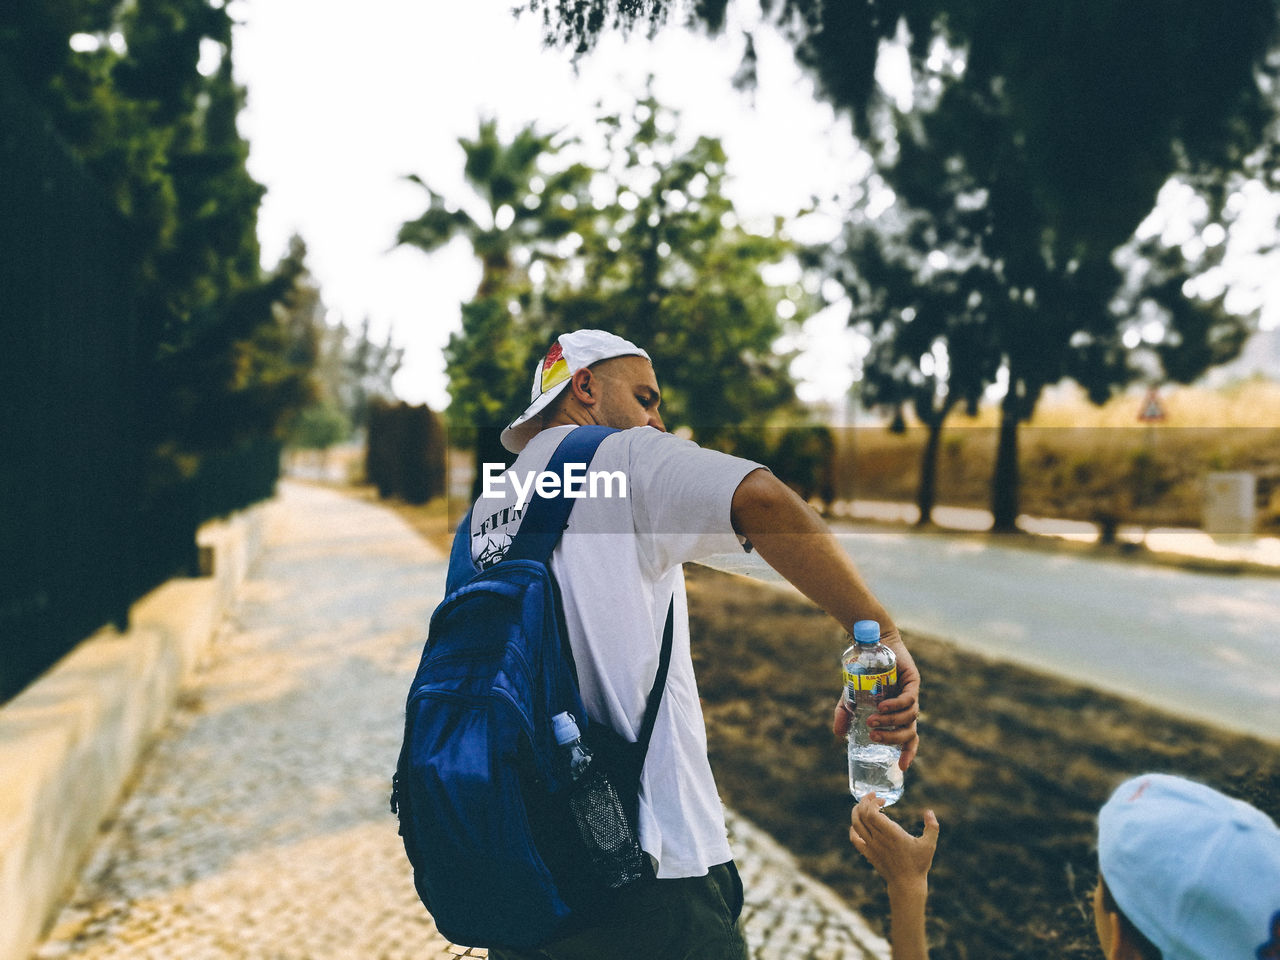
1151,413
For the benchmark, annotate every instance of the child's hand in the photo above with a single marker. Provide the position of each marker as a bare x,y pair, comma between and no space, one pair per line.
897,856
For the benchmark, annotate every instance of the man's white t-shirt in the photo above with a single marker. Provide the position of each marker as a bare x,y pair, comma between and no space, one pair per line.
619,566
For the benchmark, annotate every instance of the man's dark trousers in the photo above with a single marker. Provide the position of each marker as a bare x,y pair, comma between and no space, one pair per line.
691,918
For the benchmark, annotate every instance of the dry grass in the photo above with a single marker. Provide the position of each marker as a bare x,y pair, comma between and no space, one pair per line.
1014,762
1083,462
1247,404
431,520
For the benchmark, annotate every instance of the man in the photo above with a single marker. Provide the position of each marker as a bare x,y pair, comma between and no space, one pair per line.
1185,873
660,501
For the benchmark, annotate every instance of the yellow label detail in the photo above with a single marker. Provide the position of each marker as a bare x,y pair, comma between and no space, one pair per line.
871,681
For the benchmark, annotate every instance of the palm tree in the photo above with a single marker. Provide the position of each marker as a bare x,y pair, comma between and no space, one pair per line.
528,209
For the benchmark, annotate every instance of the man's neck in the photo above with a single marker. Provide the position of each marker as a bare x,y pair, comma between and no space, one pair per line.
578,417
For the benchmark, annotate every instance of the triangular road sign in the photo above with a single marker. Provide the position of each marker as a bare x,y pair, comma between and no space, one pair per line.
1152,409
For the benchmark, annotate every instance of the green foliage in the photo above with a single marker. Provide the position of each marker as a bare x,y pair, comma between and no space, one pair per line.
528,207
579,23
1103,94
348,368
364,369
1104,104
650,249
804,458
239,375
976,264
1199,332
319,427
160,136
666,264
488,362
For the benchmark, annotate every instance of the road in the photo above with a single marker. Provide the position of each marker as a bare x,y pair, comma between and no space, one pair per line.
1204,645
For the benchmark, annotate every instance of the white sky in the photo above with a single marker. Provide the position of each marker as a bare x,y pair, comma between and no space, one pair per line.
342,104
343,101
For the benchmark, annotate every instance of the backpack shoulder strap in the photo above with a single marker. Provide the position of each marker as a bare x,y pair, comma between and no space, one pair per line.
659,684
540,529
545,517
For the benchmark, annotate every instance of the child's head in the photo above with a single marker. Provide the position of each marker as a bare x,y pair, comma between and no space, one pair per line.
1195,873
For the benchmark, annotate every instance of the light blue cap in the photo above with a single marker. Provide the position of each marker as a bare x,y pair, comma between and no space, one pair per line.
866,631
1197,872
565,728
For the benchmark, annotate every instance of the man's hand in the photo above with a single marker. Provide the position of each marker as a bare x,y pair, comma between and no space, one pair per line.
792,538
894,721
901,859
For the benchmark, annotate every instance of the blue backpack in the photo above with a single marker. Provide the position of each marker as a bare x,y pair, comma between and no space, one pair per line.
480,788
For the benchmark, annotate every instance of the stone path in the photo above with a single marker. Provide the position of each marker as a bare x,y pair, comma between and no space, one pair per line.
259,828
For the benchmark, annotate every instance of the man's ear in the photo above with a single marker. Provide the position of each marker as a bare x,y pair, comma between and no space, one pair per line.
580,386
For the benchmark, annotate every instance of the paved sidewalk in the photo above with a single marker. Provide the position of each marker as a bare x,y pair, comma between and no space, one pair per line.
259,827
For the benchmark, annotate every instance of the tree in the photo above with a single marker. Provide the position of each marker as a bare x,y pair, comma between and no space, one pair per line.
1004,301
1061,125
148,101
666,263
1100,91
650,249
927,348
319,426
528,207
369,367
349,369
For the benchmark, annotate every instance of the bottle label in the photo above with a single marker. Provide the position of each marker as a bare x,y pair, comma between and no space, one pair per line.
877,683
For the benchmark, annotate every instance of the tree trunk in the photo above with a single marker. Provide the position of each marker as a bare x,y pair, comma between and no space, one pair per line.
1004,482
926,493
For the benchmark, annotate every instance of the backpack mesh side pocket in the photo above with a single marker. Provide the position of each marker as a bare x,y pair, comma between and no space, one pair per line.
610,839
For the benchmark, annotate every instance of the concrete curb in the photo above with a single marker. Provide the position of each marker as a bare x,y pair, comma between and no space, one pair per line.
790,914
70,742
1157,546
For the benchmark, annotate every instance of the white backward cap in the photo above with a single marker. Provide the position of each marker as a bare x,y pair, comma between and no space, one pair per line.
569,354
1197,872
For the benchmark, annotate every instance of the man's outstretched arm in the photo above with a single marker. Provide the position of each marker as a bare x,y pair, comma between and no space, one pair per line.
792,538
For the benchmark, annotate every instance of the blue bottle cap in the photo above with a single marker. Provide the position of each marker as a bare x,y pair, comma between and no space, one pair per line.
566,730
866,631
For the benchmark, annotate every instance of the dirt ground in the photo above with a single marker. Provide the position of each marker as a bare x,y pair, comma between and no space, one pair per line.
1015,764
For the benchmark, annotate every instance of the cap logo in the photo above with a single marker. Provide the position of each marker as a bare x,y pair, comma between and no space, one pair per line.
1140,791
555,369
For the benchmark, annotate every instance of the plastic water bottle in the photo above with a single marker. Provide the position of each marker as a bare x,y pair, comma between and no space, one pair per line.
870,675
568,736
608,837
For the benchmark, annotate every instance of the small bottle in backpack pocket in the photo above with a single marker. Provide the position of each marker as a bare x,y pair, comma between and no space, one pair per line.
608,836
569,737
